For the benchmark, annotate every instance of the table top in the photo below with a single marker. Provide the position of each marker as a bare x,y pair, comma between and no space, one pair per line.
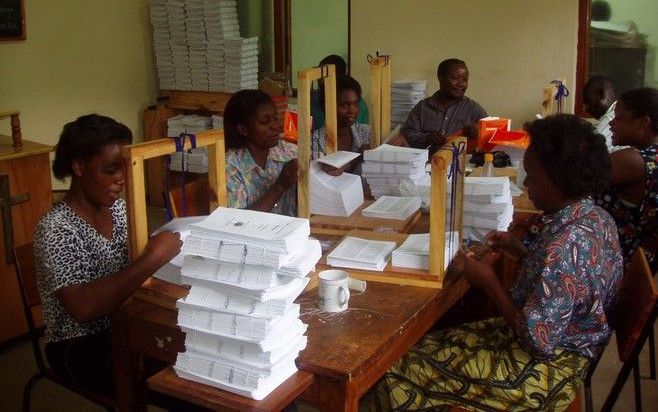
29,148
343,345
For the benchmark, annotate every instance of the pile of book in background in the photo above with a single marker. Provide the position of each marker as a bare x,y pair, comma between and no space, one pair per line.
386,167
241,58
405,94
195,160
192,47
414,253
245,269
487,206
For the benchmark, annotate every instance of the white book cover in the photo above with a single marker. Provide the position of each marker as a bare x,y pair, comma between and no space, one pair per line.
339,158
388,153
361,253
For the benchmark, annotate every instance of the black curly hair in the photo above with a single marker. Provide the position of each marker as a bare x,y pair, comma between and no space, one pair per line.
444,67
241,107
83,138
573,155
642,102
347,83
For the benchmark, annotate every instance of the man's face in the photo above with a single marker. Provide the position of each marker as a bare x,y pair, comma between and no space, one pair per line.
455,82
593,101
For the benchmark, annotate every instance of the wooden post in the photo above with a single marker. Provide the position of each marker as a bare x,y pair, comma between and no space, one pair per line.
380,99
134,157
304,81
386,96
16,136
375,103
441,163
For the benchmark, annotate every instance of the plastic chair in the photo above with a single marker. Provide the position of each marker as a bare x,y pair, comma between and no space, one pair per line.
27,280
635,319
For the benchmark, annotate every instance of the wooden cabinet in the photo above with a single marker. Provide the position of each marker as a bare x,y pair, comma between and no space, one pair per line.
28,172
173,102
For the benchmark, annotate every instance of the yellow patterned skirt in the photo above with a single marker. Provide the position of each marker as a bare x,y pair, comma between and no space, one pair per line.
478,366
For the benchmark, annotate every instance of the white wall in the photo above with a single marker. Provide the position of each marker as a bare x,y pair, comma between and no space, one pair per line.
513,48
79,57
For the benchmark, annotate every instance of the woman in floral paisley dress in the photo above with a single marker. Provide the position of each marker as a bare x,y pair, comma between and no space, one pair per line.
554,320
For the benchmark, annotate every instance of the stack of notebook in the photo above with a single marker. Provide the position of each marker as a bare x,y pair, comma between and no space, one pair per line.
241,58
487,206
245,268
415,251
391,207
386,167
334,195
188,41
405,94
221,20
358,253
195,160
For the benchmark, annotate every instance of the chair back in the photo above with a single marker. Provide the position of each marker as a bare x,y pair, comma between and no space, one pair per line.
637,305
197,199
27,280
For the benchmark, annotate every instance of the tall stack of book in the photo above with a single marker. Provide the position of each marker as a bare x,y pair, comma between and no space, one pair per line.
245,268
487,206
221,21
241,58
188,41
386,167
195,160
405,94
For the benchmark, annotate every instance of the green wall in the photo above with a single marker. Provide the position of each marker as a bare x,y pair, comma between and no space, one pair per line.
319,28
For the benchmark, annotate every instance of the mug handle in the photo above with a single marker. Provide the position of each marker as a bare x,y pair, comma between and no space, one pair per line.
343,295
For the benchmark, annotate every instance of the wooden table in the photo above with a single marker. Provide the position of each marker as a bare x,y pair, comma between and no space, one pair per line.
347,352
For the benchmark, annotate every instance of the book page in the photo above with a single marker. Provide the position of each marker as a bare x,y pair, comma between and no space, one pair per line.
362,250
338,159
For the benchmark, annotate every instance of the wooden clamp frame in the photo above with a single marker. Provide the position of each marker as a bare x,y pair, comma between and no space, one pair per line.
434,277
380,99
305,79
136,154
16,135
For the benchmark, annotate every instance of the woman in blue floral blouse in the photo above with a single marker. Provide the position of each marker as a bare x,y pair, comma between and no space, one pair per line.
261,170
555,319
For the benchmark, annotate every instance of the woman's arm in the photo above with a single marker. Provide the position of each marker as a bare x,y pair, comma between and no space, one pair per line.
92,300
286,179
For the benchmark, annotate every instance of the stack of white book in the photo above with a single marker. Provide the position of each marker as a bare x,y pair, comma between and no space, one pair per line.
405,94
487,206
245,268
358,253
415,251
164,58
334,195
391,207
217,122
221,21
386,167
195,160
241,58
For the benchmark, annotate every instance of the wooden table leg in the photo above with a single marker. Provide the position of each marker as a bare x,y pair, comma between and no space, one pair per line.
336,395
128,371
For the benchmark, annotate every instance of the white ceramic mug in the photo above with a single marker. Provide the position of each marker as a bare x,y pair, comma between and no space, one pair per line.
333,290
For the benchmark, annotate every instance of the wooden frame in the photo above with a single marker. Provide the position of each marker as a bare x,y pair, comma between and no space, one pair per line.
435,276
380,99
136,154
582,56
12,21
305,79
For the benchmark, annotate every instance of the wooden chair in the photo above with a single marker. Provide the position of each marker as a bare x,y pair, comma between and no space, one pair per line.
27,280
197,199
635,318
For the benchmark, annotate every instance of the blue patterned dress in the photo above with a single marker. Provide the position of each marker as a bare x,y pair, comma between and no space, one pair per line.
637,224
566,290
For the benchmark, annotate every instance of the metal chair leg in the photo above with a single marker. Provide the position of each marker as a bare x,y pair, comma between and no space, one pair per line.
28,390
652,355
637,386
